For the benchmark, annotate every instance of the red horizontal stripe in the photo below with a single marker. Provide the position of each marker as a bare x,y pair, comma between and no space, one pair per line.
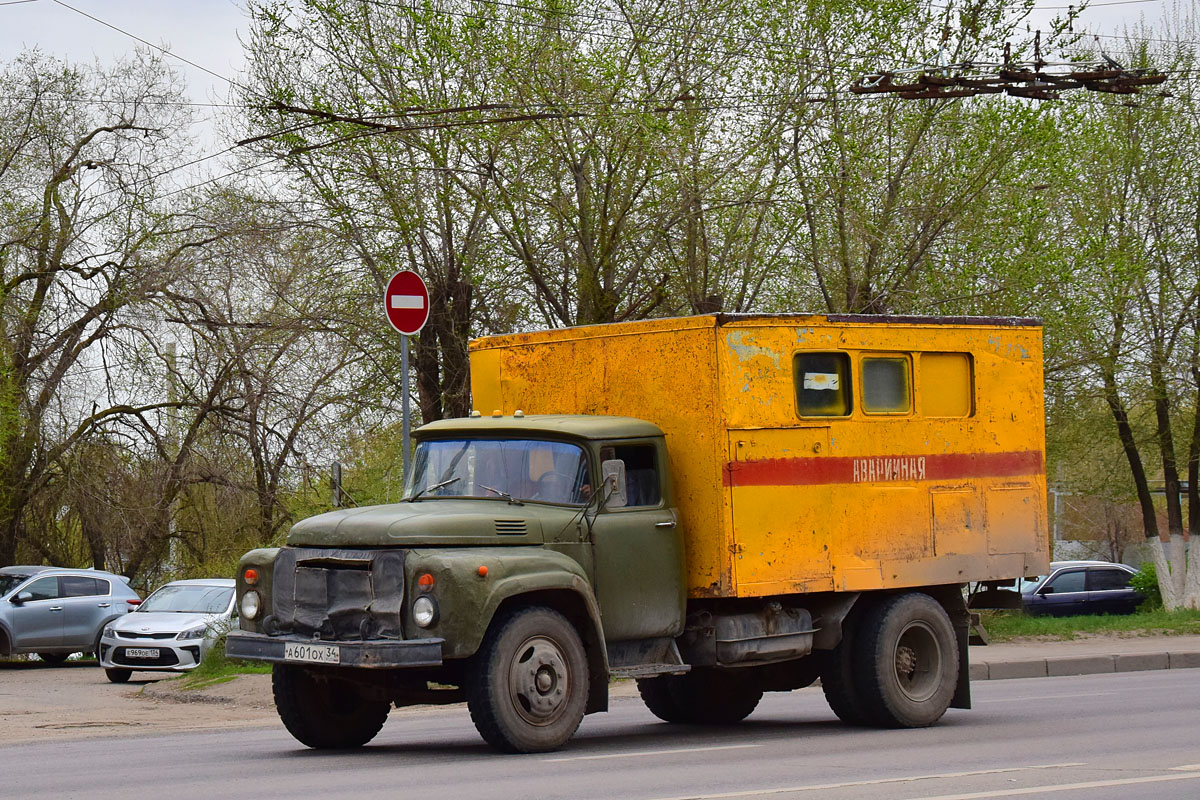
882,469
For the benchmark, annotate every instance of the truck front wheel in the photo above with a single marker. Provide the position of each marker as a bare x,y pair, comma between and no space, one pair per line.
325,713
701,697
528,686
908,655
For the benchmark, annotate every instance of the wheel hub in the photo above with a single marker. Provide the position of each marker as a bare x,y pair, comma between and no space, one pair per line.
918,661
539,680
906,661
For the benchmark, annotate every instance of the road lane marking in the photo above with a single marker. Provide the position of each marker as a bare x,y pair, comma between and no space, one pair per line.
1043,697
643,753
1067,787
1187,768
817,787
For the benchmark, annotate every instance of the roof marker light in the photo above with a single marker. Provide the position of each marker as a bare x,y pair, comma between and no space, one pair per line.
483,571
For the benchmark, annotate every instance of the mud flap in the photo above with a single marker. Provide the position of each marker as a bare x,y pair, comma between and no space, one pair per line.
962,692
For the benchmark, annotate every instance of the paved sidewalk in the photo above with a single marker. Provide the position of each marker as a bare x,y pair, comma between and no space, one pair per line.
1086,656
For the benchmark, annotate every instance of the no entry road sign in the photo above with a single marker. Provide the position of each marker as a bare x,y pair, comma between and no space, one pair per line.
406,301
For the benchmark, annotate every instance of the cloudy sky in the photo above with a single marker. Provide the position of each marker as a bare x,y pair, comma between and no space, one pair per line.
205,32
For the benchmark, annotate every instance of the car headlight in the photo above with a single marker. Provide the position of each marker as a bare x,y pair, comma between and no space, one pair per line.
193,633
110,630
424,611
250,604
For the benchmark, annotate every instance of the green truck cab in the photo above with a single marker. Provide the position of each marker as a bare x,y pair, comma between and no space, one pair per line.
532,558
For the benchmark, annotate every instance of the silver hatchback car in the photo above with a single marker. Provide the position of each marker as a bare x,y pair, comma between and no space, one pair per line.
171,630
55,611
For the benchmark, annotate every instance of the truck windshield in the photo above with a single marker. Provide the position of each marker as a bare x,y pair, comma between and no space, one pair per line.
508,469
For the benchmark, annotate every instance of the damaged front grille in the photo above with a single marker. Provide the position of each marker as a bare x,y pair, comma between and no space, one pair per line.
341,595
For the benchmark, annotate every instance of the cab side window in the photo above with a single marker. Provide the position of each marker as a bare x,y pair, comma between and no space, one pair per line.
642,484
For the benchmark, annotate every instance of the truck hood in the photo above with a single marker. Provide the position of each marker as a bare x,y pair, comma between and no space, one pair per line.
439,522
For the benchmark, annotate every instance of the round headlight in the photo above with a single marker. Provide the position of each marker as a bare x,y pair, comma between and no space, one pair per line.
250,604
424,611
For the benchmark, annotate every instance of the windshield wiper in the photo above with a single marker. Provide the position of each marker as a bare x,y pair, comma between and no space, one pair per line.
431,487
505,495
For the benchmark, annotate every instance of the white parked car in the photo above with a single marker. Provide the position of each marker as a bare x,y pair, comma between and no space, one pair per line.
171,630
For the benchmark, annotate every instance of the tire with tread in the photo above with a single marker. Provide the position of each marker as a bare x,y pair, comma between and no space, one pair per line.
528,686
700,697
908,655
840,683
118,674
658,695
325,713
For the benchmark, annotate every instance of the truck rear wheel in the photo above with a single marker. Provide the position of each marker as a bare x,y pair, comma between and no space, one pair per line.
325,713
700,697
840,683
528,688
908,655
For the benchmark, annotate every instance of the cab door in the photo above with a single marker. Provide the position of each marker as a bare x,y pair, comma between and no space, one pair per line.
638,550
38,620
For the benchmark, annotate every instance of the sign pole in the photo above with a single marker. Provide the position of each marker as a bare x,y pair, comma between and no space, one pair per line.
404,412
406,304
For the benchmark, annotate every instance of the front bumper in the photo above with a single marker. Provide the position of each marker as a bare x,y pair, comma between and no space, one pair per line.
374,653
156,655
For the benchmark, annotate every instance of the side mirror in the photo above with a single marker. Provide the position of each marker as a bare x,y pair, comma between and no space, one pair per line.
1046,590
20,597
613,473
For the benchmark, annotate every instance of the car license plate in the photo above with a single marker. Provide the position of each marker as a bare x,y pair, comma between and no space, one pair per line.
141,652
319,653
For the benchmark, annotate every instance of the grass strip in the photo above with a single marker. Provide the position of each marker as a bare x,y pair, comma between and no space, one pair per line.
1006,626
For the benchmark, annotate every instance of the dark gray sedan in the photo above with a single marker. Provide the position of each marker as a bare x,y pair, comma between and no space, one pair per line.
54,611
1081,587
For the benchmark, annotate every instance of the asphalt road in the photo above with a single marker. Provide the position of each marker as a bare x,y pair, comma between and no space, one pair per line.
1094,737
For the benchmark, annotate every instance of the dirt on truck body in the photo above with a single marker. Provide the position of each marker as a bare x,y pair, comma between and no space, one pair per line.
717,506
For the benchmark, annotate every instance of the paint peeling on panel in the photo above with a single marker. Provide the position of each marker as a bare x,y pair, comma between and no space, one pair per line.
1008,349
742,344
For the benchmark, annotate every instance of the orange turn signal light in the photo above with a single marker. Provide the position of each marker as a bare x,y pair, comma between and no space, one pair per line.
482,571
251,575
425,580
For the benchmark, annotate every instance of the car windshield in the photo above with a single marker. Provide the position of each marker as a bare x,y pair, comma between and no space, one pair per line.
507,469
10,582
189,599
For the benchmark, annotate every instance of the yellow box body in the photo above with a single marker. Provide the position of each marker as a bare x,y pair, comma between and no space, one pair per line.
772,501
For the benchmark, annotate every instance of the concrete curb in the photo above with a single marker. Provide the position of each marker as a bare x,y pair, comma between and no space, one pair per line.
1053,667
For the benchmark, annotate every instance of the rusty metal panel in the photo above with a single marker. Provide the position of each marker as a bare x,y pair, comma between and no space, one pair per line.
772,502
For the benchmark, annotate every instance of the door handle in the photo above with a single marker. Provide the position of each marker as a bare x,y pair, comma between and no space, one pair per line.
104,605
56,608
670,524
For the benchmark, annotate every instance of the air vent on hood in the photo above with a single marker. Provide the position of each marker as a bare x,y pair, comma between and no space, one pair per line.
510,527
